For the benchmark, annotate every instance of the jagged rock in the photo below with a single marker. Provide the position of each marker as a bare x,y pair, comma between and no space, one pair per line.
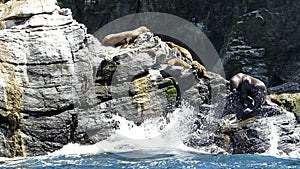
28,8
48,59
291,102
290,87
59,85
41,141
63,74
268,128
140,84
269,29
256,135
3,145
242,58
15,12
264,129
260,43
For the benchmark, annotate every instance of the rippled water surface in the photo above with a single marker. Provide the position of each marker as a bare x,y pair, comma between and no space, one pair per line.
148,160
153,146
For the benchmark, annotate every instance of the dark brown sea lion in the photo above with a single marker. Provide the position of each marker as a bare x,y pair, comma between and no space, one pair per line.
251,89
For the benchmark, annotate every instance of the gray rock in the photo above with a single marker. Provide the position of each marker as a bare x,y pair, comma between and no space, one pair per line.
3,145
257,45
53,68
269,30
290,87
73,87
27,8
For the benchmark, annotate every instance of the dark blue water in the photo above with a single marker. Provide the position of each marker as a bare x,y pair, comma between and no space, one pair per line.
143,160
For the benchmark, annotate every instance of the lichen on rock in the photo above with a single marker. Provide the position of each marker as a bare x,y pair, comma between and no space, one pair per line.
11,110
39,56
141,98
291,102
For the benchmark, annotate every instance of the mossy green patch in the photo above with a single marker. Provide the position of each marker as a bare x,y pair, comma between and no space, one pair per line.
109,70
291,102
103,93
171,92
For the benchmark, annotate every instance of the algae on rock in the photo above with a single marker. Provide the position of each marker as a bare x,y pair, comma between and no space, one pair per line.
291,101
13,107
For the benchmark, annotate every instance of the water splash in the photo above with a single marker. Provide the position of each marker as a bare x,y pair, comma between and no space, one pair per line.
277,135
154,135
274,139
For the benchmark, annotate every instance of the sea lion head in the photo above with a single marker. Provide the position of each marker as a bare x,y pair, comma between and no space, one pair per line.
235,81
143,29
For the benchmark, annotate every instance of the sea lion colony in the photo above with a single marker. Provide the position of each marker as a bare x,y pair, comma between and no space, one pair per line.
124,38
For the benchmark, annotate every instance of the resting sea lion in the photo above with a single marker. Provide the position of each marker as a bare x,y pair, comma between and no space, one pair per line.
124,37
250,89
200,69
151,51
179,62
182,50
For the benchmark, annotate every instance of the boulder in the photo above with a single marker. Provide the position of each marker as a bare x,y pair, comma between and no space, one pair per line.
46,72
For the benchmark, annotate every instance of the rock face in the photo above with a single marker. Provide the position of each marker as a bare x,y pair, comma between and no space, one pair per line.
59,85
291,102
43,61
261,44
265,130
262,36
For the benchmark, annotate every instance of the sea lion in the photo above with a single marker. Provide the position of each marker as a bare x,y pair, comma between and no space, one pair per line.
123,37
200,69
151,51
184,52
179,62
251,90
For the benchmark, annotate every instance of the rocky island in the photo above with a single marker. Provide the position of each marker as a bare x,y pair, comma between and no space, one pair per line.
60,85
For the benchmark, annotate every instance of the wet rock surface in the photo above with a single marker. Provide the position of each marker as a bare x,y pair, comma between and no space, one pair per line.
259,130
59,85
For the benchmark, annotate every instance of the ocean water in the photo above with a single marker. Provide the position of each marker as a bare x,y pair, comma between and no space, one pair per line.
143,160
154,144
